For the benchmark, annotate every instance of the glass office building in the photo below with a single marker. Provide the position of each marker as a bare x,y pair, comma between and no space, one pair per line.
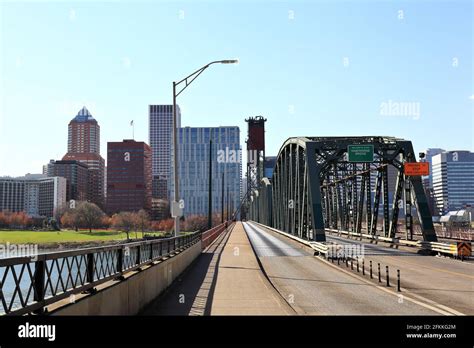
193,168
453,180
160,129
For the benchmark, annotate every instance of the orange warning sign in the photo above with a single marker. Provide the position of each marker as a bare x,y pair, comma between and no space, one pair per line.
464,248
417,168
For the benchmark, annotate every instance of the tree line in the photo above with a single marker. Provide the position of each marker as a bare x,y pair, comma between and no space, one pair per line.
87,215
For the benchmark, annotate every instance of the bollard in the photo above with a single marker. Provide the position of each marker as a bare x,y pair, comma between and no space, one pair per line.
347,262
378,266
363,266
357,265
371,277
352,264
398,280
388,279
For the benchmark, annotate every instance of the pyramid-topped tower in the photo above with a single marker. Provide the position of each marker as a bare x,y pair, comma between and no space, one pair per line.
83,145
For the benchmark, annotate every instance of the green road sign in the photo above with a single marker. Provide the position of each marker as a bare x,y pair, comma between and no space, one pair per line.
360,153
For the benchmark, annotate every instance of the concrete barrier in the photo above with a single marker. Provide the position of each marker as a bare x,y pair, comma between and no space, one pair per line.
132,294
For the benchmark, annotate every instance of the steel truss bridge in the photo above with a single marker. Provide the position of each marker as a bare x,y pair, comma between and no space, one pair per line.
314,187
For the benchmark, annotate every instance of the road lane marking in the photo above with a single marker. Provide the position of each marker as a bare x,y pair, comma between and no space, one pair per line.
405,297
432,268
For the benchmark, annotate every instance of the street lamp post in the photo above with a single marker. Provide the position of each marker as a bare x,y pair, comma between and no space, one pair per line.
187,80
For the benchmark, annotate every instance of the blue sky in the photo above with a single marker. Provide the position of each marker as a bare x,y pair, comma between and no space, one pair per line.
310,67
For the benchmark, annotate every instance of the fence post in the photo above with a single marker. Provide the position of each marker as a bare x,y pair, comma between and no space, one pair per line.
137,261
90,267
38,283
120,261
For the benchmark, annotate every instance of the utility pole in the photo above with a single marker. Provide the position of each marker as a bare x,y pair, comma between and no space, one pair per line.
222,205
209,212
186,81
228,202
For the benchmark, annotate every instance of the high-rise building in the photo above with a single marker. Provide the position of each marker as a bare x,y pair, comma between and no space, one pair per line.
429,154
453,180
128,176
84,146
193,168
76,174
161,139
35,194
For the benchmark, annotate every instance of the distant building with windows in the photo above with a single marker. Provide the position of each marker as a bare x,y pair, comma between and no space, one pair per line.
453,180
269,166
76,175
128,176
193,168
160,129
34,194
429,154
84,146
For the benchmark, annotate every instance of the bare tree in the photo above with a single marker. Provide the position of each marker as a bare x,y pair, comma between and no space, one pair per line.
124,221
143,220
89,215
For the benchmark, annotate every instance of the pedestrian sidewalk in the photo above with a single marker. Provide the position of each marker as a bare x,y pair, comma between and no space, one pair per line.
241,287
225,280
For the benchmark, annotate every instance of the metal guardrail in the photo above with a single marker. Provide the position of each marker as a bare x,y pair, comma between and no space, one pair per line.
28,284
324,249
394,241
442,248
321,248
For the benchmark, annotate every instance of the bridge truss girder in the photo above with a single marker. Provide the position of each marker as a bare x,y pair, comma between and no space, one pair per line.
314,187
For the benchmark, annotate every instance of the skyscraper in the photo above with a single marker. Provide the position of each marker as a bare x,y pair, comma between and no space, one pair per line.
453,180
160,140
430,153
128,176
193,168
84,146
428,180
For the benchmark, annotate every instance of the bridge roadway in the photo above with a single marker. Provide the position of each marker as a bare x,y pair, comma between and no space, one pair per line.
315,287
448,282
252,270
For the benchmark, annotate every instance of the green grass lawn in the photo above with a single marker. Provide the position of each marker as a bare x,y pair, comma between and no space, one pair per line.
40,237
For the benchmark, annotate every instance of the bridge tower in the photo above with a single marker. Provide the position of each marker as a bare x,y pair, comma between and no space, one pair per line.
255,154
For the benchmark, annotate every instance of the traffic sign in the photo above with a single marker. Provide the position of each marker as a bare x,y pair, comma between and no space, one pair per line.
360,153
416,168
464,248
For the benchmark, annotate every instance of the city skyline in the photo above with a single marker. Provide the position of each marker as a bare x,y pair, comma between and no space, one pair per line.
349,73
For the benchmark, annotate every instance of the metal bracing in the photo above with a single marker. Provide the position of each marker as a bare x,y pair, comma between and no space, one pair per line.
396,204
386,221
314,187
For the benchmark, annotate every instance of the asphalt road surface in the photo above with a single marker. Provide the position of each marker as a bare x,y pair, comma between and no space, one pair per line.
315,287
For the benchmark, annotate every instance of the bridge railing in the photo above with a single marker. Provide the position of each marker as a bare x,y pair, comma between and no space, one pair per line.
28,284
210,235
